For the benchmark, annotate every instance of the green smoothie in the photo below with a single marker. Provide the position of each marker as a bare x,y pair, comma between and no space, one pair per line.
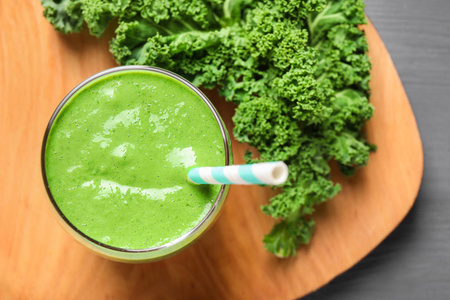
118,153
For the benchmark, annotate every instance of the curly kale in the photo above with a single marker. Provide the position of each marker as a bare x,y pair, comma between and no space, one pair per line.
64,15
298,71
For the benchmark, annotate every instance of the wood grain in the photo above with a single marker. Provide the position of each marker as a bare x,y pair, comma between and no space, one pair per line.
38,260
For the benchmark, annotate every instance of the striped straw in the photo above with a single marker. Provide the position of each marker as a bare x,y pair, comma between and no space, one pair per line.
270,173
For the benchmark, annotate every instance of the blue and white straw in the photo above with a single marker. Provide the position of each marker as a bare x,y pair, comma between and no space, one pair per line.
269,173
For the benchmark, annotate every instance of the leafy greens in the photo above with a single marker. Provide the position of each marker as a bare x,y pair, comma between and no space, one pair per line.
297,70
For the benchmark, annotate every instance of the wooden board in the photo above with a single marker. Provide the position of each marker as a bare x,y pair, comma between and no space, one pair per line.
38,260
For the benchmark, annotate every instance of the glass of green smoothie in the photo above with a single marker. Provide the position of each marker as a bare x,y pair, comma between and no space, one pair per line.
115,157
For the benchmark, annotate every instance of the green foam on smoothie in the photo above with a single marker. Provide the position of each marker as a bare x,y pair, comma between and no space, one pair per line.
118,153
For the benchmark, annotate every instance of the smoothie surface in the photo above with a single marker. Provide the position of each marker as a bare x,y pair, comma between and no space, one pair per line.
118,153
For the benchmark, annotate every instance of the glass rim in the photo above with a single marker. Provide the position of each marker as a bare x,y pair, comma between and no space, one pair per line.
220,196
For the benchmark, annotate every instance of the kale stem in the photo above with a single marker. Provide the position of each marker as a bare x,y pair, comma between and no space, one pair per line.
312,25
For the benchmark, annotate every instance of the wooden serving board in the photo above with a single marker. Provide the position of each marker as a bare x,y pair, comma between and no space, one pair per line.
39,260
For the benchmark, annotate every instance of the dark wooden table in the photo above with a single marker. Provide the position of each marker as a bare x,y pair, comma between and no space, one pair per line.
414,261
